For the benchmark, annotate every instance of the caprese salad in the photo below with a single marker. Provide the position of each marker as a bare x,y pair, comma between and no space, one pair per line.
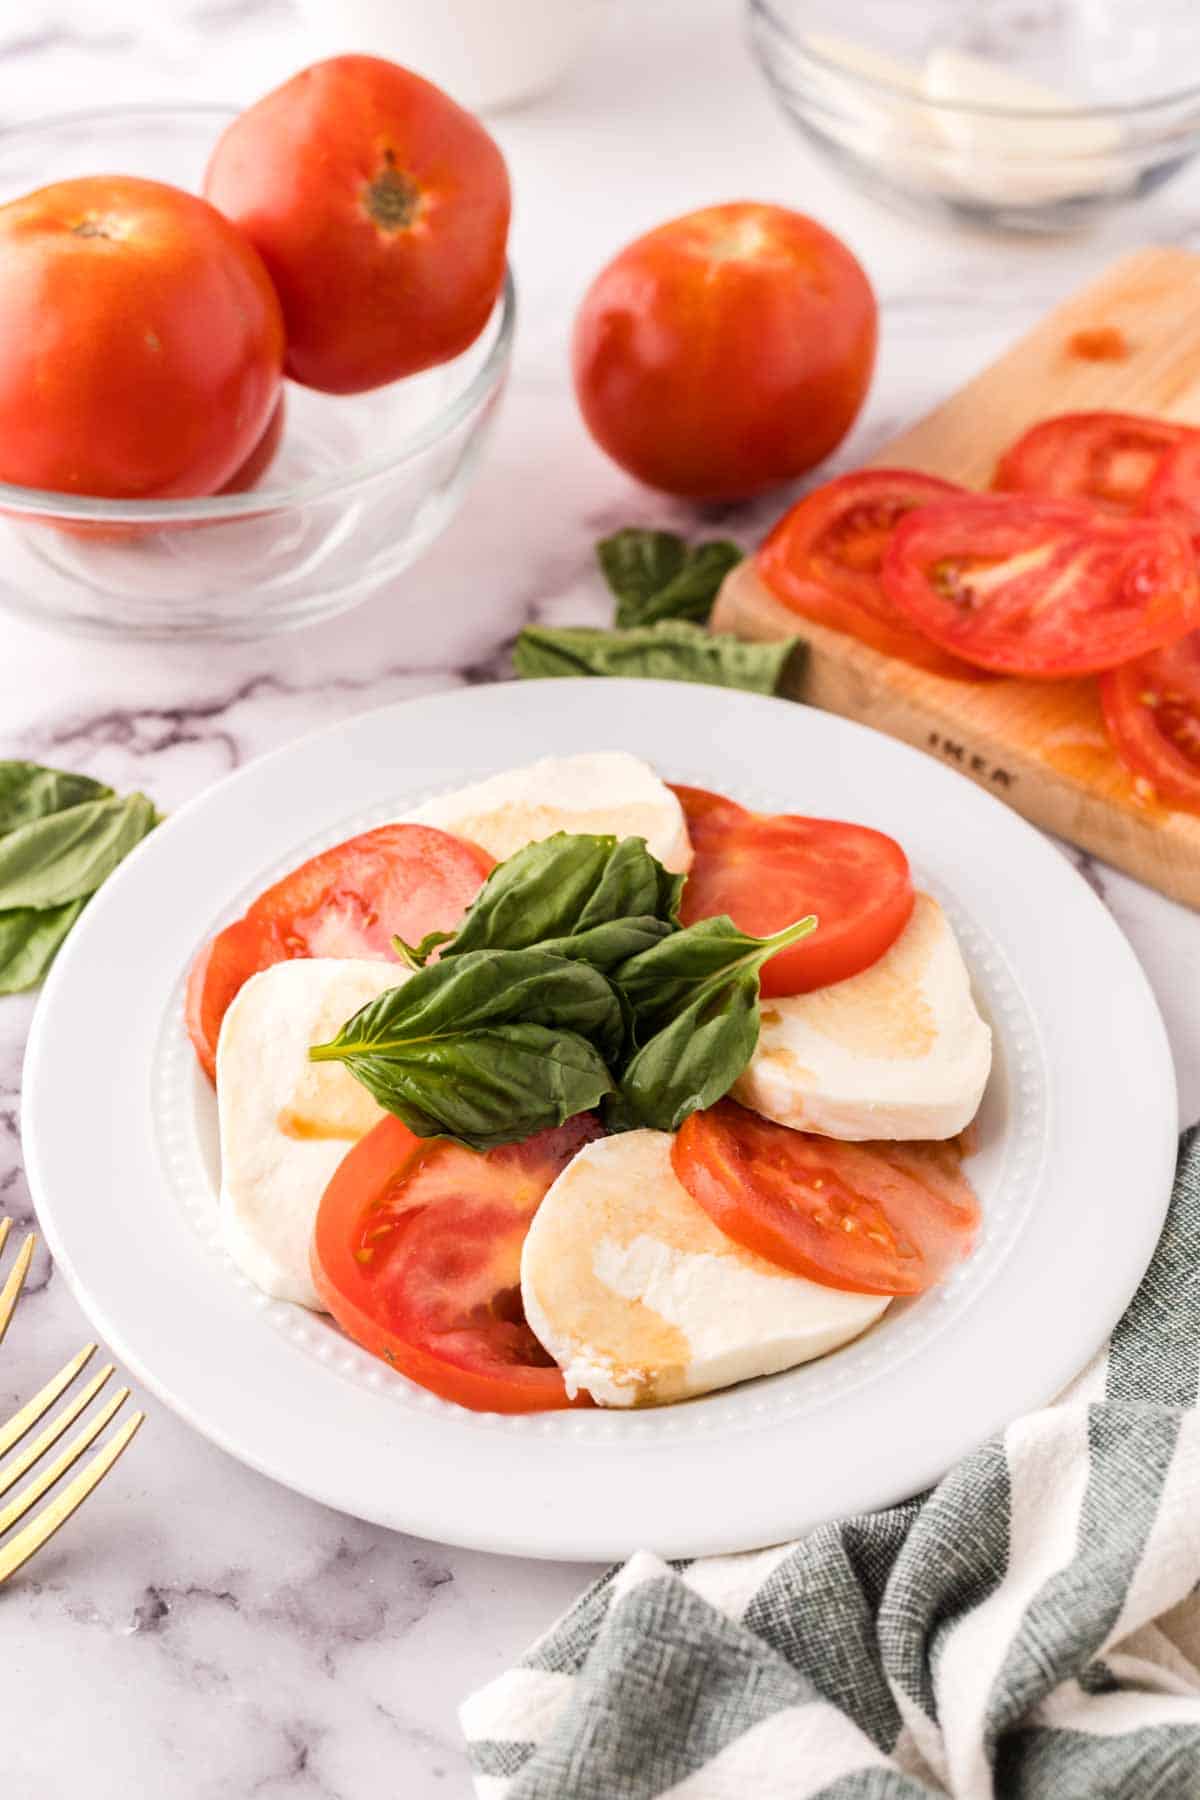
574,1087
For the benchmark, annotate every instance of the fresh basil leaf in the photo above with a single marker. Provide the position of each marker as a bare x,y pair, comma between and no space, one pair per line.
654,575
565,886
638,563
633,882
487,1047
415,956
486,988
670,651
693,1005
692,1062
28,791
693,592
66,855
30,940
488,1087
662,980
604,946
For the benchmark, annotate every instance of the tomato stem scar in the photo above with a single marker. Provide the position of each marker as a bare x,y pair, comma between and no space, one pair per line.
393,198
93,226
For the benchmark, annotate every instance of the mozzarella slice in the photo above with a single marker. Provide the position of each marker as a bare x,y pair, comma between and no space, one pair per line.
285,1122
896,1052
1008,154
603,791
640,1298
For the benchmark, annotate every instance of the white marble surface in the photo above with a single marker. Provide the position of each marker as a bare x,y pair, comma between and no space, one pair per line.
201,1633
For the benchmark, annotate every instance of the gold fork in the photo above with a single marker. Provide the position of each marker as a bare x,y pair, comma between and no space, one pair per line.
42,1527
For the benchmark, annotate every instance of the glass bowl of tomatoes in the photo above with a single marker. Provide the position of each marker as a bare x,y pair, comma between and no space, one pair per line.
342,493
999,113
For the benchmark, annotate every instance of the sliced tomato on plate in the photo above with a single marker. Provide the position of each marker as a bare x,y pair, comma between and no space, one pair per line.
401,880
1041,587
768,870
417,1254
1152,714
879,1218
1175,489
823,559
1108,458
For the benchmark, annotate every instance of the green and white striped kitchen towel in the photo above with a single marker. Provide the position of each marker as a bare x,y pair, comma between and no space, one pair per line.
1030,1629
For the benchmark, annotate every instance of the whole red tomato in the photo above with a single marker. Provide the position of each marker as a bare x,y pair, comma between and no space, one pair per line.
262,455
725,352
141,341
381,209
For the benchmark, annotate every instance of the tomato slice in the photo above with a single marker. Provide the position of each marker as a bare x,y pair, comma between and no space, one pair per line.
1174,491
768,870
417,1254
401,880
874,1218
1041,587
824,556
1152,713
1108,458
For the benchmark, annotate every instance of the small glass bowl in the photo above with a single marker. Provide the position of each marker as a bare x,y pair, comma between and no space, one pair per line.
1074,107
360,485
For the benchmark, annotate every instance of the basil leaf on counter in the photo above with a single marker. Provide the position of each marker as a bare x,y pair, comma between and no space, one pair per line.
638,563
563,887
66,855
670,651
30,940
487,1047
655,575
28,791
693,1002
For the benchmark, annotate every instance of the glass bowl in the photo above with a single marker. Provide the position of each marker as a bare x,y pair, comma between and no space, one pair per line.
360,485
1034,115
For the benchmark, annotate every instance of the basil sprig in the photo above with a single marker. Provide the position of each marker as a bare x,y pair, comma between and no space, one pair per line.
656,575
693,1000
569,983
61,836
487,1047
665,591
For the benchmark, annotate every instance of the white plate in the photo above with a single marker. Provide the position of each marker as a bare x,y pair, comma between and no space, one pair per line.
1078,1146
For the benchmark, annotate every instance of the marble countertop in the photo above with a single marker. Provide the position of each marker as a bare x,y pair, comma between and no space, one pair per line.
200,1632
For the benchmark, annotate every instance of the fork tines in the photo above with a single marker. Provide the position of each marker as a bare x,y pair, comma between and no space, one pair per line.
10,1293
42,1526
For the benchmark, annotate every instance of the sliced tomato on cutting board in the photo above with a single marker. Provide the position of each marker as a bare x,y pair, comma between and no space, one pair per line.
1108,458
823,559
879,1218
1044,588
1152,715
768,870
1174,492
400,880
417,1254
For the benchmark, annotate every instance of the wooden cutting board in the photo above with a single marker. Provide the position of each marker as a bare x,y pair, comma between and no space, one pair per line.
1041,746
